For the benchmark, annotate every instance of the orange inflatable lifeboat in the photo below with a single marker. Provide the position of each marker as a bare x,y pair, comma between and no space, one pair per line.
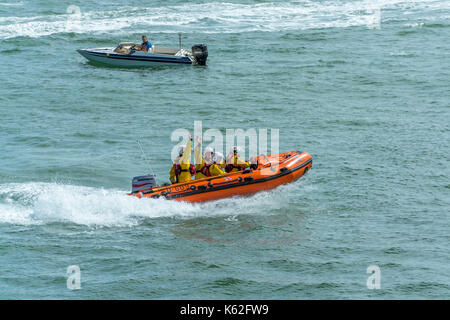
272,171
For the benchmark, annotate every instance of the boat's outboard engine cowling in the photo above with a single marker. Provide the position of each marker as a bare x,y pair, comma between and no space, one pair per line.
143,182
200,53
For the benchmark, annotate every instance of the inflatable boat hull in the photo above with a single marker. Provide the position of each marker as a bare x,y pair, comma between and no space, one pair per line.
272,171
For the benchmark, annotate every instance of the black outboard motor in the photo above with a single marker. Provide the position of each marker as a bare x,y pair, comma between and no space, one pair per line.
200,53
143,182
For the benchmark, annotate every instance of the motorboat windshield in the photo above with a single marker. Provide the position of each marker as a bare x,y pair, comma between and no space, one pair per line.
126,48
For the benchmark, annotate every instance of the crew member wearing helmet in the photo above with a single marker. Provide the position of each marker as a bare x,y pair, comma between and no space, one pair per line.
234,162
182,170
206,166
219,160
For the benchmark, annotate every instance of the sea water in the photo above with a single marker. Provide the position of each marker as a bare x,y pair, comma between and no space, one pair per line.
363,86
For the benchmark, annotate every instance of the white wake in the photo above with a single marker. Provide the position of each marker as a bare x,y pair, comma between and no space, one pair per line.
41,203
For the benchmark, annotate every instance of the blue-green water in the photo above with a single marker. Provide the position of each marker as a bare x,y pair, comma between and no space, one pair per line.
371,105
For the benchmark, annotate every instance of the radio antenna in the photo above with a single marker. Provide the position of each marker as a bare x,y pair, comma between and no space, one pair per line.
145,157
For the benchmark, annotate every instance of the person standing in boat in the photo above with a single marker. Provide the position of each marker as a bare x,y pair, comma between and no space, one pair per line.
182,170
145,46
206,166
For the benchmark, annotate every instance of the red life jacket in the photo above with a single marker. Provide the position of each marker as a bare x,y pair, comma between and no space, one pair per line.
205,170
230,167
177,169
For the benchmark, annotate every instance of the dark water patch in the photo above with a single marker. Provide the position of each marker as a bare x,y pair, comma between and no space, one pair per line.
436,25
312,36
110,141
423,288
355,123
84,135
330,63
49,12
335,62
284,51
395,250
230,282
306,288
286,265
12,50
235,73
231,50
392,265
203,113
203,265
269,109
145,262
404,33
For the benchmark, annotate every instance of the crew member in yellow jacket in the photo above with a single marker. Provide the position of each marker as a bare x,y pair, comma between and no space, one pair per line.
206,166
234,162
182,170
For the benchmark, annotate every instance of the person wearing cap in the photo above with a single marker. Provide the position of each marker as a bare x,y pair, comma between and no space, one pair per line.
234,161
205,166
182,170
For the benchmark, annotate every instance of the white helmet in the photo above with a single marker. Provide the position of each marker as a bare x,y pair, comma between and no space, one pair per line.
208,150
217,157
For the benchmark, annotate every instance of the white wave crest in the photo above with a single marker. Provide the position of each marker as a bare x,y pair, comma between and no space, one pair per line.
214,17
11,4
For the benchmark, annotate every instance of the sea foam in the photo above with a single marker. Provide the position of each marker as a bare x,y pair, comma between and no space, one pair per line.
213,17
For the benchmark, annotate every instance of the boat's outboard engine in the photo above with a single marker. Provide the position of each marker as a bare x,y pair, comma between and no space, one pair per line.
143,182
200,53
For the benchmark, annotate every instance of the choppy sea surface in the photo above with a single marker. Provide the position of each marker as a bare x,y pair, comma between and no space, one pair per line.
363,86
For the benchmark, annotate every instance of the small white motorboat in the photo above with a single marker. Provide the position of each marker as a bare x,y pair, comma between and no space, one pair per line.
125,55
